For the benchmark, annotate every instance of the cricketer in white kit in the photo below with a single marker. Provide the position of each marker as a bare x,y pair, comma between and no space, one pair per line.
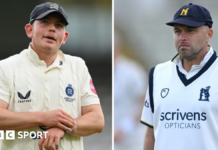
180,108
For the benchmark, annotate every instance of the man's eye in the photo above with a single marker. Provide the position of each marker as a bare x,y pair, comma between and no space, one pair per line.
59,25
191,30
176,31
44,22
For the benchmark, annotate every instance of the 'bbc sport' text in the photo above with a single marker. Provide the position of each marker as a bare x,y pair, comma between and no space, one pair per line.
10,134
32,134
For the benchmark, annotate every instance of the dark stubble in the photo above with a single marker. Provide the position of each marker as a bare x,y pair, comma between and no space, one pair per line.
191,55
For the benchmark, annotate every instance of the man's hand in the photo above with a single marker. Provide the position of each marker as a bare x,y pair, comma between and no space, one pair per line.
57,118
53,136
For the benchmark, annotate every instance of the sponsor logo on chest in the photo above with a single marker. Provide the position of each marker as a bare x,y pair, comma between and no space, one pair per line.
24,99
185,119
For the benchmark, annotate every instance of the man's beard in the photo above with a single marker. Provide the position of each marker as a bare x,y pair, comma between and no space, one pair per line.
193,53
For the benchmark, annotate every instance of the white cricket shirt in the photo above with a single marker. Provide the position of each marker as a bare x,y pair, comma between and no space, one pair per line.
27,85
183,111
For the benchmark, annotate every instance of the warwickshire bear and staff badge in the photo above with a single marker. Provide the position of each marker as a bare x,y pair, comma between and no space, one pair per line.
204,95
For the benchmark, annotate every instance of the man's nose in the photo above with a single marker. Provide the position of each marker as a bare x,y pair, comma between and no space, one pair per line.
183,36
52,27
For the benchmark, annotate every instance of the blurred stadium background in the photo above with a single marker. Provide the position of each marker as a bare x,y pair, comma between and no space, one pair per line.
90,37
145,37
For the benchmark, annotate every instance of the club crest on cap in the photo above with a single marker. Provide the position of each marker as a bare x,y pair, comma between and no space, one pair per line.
184,12
55,6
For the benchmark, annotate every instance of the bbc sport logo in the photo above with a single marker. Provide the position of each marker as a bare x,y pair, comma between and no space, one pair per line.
1,135
10,134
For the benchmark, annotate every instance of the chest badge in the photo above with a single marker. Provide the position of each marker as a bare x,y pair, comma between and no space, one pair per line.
164,92
204,94
69,90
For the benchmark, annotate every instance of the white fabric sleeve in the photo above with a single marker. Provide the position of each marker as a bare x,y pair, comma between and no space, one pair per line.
88,93
4,89
147,115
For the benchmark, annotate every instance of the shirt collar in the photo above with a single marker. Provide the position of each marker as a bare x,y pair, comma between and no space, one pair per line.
177,59
58,62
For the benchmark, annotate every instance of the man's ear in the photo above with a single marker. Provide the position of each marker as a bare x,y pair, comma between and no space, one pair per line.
66,35
210,34
29,30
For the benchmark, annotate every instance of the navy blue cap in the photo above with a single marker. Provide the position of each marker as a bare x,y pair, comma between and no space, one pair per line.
192,15
42,10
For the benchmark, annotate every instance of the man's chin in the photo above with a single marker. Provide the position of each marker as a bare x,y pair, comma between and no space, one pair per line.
49,46
184,54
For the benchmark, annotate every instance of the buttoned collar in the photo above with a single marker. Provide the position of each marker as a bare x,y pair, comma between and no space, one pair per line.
34,58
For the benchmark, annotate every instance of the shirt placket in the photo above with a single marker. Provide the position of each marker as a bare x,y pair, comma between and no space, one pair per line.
47,92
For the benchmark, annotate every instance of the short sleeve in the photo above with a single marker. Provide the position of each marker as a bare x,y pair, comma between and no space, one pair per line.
4,90
147,114
148,110
88,93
